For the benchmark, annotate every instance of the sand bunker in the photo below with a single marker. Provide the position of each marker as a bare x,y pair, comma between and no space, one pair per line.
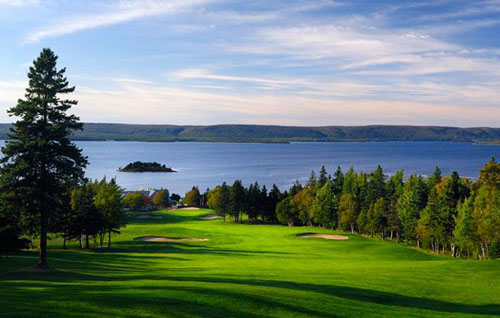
169,239
210,217
148,217
189,209
324,236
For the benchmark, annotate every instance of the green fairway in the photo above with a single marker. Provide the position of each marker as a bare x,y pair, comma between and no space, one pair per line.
245,271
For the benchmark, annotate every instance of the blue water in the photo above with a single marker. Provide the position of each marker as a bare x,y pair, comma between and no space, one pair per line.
209,164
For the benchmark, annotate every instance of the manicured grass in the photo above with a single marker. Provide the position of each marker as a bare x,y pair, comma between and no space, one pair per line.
245,271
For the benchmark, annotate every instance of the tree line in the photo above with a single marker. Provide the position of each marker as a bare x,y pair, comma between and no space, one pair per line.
446,214
94,210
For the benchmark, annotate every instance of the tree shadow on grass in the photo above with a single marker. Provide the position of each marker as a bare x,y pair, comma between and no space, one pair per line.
363,295
147,298
351,293
152,298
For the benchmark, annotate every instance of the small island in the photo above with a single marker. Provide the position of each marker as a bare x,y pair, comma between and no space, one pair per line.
139,166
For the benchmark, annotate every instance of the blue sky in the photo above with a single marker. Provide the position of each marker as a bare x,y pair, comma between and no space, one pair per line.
297,62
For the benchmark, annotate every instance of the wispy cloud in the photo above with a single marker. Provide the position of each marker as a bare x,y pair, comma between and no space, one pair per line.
194,106
18,3
299,62
345,45
118,12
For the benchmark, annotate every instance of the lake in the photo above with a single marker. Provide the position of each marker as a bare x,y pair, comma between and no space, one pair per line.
209,164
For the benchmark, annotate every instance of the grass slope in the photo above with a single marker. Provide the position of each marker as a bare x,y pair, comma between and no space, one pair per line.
245,271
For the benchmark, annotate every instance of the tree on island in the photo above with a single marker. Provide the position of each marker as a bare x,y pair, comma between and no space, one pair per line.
40,164
139,166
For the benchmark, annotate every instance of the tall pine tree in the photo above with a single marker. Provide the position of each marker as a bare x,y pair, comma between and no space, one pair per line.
40,163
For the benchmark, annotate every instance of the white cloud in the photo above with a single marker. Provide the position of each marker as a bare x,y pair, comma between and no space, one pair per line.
18,3
119,12
332,41
167,104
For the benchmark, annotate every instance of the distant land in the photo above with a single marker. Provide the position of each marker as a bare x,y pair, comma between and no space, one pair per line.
278,134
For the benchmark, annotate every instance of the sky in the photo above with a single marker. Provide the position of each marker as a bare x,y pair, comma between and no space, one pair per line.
295,62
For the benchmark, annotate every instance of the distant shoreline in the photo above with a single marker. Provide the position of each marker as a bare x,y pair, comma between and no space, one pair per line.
278,134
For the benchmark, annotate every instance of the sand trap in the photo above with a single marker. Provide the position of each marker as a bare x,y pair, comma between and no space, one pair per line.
323,236
169,239
148,217
189,209
210,217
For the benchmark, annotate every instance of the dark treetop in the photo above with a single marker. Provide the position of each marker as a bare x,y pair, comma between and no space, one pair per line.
139,166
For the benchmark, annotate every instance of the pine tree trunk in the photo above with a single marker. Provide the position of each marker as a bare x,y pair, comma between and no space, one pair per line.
64,242
109,239
86,241
42,261
80,239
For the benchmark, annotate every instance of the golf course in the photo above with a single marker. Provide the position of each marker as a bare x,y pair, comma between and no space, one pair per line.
181,264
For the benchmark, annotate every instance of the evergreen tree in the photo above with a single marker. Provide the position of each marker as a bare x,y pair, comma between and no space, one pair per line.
363,192
10,229
312,179
362,222
378,217
435,178
376,185
40,164
296,188
275,196
338,181
323,176
237,199
86,220
253,201
431,229
454,192
224,201
393,192
350,184
409,207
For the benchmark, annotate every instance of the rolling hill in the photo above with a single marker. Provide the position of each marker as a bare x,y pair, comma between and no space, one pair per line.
265,133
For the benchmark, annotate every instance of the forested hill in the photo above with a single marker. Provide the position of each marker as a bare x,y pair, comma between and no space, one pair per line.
261,133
